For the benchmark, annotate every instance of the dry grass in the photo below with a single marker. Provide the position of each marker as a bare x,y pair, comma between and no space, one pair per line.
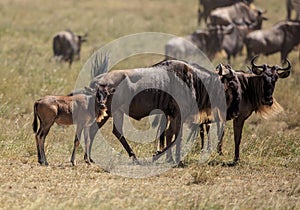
267,177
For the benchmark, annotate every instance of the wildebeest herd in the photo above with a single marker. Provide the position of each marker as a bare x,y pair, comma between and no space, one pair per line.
243,24
230,25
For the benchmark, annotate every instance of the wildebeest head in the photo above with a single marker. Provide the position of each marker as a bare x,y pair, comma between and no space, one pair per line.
232,89
257,24
101,94
269,75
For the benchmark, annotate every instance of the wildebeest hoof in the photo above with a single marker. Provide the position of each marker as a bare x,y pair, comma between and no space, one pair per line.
135,161
158,152
230,164
180,165
214,163
44,163
157,155
170,160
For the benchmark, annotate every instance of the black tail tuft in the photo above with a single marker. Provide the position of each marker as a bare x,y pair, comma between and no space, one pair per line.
35,123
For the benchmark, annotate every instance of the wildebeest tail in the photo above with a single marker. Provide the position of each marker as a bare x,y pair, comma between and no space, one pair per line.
35,123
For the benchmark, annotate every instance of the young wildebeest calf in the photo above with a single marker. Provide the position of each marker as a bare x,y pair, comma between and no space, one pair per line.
81,109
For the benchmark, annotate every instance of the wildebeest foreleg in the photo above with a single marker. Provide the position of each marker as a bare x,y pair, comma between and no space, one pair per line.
238,125
118,120
87,145
220,127
93,129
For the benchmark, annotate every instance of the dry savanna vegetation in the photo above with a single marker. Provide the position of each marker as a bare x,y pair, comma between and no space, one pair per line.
268,176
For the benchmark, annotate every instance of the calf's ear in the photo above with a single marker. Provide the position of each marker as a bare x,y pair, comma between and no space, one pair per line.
284,74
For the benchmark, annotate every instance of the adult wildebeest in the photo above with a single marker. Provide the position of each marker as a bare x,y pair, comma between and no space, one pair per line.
67,45
209,41
209,5
143,90
293,5
282,37
82,109
207,115
233,42
257,96
236,12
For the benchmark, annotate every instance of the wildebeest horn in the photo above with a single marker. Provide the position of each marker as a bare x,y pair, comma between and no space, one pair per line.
286,68
253,64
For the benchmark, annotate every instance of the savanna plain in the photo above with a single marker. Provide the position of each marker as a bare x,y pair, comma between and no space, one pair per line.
267,177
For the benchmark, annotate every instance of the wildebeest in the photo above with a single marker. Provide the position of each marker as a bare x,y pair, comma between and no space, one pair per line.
159,78
293,5
282,37
82,109
208,40
236,12
209,5
67,45
257,96
233,42
207,115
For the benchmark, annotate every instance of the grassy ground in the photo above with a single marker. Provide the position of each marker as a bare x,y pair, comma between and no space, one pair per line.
268,176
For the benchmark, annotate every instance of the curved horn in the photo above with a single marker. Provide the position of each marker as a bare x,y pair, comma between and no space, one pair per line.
286,68
253,64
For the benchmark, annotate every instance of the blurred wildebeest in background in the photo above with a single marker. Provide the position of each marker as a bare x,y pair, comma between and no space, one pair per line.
257,96
67,45
236,12
233,42
209,41
209,5
282,37
293,5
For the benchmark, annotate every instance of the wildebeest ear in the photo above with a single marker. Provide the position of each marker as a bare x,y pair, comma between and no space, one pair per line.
284,74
